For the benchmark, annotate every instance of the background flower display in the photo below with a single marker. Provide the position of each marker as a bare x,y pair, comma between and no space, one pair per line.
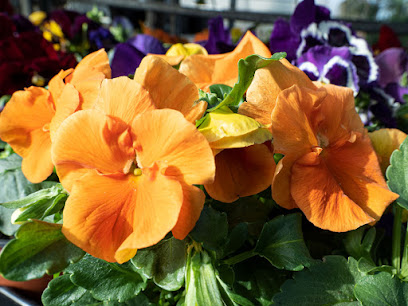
206,173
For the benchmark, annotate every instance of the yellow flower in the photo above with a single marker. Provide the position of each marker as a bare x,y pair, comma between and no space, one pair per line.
37,17
385,141
225,129
186,49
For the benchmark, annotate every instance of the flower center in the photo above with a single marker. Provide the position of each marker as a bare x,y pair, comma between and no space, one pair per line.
135,170
322,141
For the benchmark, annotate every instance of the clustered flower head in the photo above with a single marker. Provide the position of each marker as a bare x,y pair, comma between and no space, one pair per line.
331,52
130,155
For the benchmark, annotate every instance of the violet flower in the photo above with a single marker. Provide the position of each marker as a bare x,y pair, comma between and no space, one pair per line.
393,63
219,39
330,65
128,55
285,36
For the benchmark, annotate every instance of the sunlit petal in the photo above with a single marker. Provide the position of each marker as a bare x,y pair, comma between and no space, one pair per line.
165,136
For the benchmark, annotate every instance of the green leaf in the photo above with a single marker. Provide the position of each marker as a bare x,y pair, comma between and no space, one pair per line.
39,204
327,282
3,100
14,186
39,248
211,229
201,281
211,98
62,292
222,91
236,238
246,72
359,245
368,267
258,280
381,289
281,242
230,297
396,174
107,281
165,263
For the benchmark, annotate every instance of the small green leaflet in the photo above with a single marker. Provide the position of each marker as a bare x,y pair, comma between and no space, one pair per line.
246,72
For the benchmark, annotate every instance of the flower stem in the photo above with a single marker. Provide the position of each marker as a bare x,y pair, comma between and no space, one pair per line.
404,262
240,257
396,238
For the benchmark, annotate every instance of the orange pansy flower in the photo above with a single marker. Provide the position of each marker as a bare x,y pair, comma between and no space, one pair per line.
242,172
329,169
32,116
385,141
205,70
130,170
267,84
169,88
243,155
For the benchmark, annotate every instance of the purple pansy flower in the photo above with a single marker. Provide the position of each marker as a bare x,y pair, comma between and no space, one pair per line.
286,35
330,65
128,55
219,38
393,63
147,44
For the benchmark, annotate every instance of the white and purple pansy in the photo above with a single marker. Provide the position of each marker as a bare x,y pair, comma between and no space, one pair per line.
330,65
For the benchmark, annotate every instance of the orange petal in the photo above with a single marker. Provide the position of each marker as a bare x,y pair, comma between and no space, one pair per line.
193,203
24,124
172,60
321,198
165,136
385,141
169,88
90,140
267,84
339,113
200,68
136,212
112,93
56,84
37,164
242,172
88,75
292,128
94,63
355,166
65,105
222,68
89,89
281,182
156,211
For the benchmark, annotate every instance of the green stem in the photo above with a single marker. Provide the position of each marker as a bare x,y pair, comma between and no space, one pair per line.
404,262
396,238
240,257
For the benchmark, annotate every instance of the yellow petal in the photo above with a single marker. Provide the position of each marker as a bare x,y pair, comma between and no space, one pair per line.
226,129
385,141
37,17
